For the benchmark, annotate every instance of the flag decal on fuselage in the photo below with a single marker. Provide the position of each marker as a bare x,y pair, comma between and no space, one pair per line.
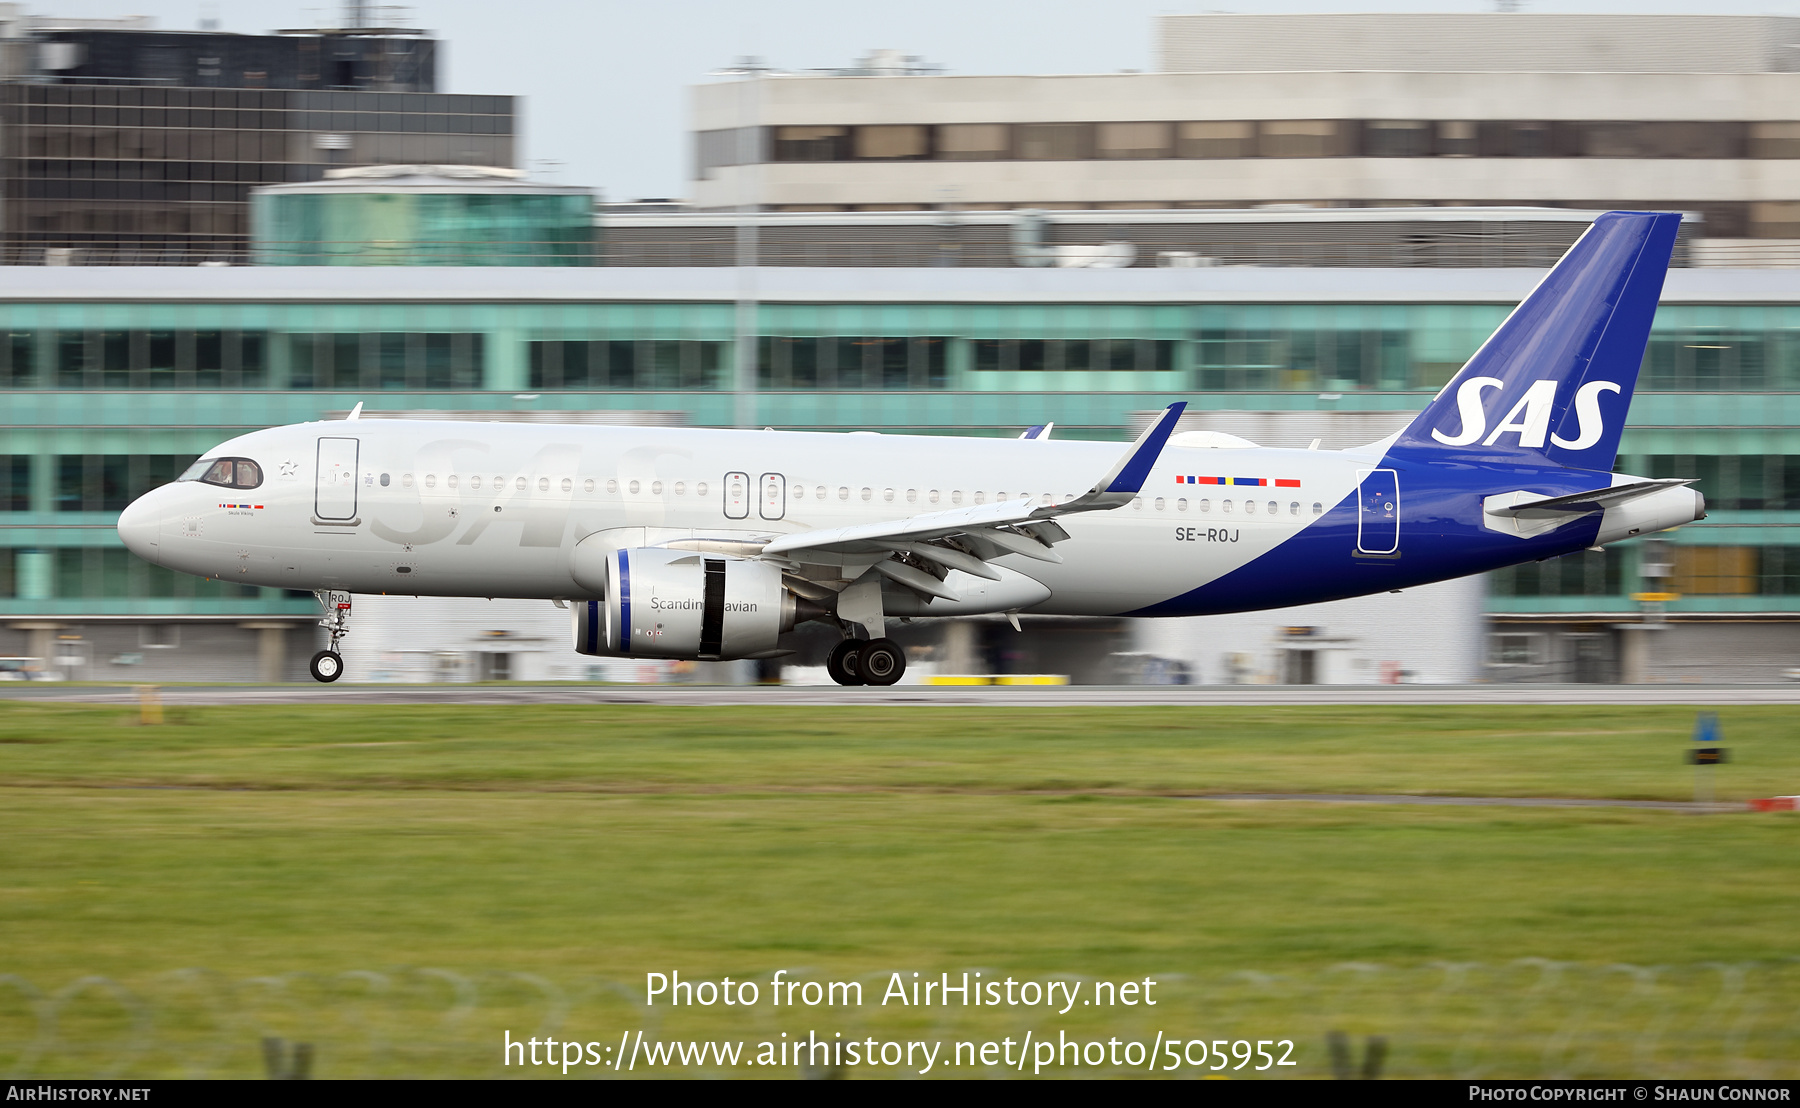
1278,482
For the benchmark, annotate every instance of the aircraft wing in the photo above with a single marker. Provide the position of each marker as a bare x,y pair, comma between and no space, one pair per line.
967,538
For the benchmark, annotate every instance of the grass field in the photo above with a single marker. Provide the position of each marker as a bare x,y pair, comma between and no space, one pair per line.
538,855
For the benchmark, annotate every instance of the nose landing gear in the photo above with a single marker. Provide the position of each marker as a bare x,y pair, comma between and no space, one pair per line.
328,665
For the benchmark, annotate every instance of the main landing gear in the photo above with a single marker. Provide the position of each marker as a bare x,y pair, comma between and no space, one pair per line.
871,662
328,665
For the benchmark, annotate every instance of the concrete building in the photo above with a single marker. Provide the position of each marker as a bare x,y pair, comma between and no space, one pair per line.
1687,112
131,146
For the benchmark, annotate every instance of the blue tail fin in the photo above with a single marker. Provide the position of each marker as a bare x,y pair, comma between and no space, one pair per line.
1555,381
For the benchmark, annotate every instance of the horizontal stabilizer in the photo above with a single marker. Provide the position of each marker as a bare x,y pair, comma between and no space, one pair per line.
1597,500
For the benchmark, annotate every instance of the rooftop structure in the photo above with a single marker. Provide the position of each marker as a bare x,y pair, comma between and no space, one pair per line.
1477,42
1180,238
1690,113
423,215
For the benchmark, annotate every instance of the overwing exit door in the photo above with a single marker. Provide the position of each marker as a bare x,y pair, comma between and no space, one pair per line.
1378,512
773,501
334,490
737,496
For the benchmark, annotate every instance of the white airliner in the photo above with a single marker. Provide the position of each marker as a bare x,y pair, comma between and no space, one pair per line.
689,543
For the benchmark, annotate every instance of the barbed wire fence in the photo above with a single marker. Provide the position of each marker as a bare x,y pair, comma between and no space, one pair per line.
1527,1018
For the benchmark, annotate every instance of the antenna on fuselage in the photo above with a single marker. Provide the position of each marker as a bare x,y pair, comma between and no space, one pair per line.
356,412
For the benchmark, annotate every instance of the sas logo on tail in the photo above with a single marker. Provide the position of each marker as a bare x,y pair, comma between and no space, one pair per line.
1530,417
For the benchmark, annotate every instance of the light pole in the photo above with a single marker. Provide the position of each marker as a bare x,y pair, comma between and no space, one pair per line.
749,159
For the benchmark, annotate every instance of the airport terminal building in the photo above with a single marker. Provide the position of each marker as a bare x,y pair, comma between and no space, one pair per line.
115,378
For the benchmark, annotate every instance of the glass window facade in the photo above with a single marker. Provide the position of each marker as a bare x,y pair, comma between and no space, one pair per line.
424,228
108,482
385,360
104,573
1265,138
103,400
135,175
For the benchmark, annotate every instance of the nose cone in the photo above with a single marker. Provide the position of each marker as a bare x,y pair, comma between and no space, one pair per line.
140,527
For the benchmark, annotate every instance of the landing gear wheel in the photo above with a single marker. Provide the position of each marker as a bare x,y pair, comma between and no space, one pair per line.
881,662
327,666
841,663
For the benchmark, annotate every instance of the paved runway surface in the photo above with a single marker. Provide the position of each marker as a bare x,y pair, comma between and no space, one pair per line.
920,695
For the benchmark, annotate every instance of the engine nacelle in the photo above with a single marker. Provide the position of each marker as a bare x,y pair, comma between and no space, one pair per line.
682,604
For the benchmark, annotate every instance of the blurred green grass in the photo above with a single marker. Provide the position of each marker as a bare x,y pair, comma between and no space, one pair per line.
612,841
1500,751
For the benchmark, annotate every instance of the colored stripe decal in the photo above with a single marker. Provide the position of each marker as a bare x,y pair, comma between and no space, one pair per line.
624,603
1254,481
593,627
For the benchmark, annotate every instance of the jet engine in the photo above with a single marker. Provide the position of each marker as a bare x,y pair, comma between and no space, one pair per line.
681,604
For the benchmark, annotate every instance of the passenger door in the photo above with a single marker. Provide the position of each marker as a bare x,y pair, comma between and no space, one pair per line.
1378,512
334,491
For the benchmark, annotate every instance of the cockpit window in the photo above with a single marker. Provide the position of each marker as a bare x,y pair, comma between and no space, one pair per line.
230,473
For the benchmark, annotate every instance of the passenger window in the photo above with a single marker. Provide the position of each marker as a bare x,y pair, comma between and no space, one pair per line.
1159,503
568,485
475,483
956,496
431,480
384,480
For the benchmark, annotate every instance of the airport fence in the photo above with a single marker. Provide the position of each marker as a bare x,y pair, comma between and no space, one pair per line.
1529,1018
